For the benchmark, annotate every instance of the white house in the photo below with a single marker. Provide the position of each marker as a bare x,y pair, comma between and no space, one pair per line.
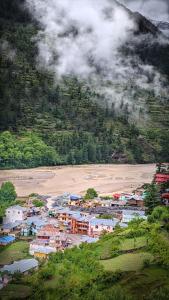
129,215
36,247
15,213
98,226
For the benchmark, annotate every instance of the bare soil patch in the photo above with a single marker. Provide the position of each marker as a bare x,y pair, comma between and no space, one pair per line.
105,179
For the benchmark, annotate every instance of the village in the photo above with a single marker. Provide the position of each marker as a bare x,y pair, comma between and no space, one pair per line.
49,224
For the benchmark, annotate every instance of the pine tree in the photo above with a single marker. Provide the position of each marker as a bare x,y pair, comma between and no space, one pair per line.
152,198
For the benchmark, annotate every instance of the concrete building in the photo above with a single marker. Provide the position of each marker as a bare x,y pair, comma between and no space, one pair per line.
98,226
15,213
129,215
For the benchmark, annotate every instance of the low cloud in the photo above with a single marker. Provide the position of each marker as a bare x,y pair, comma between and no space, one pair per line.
83,38
7,50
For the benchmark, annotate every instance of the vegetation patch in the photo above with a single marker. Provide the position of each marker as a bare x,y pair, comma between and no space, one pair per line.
133,243
13,252
15,291
127,262
141,283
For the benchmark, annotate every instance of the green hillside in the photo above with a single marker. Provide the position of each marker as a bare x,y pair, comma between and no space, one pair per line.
69,120
129,264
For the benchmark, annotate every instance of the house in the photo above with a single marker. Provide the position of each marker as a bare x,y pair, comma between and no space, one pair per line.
75,200
61,200
129,215
136,200
116,196
118,203
12,228
34,211
15,213
34,224
105,203
80,223
165,198
22,266
64,215
6,240
98,226
47,232
161,178
40,249
163,168
43,252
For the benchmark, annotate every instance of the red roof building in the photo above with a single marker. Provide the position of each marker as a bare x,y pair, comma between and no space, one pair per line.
47,232
116,196
161,178
165,196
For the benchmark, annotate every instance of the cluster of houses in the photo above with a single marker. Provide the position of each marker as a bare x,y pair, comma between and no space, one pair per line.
119,199
52,230
67,220
64,221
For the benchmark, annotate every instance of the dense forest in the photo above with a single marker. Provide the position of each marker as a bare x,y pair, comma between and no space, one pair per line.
47,123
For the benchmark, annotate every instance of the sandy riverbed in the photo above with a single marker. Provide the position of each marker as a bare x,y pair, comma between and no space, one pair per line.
76,179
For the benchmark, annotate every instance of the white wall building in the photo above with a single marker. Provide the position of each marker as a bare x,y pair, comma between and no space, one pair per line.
15,213
129,215
36,247
97,226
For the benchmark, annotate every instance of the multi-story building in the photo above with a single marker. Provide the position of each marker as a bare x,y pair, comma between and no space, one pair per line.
15,213
98,226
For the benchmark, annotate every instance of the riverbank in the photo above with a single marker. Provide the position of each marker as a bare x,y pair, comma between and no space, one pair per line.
77,179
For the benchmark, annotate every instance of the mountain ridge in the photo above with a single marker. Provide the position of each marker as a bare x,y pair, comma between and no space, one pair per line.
69,116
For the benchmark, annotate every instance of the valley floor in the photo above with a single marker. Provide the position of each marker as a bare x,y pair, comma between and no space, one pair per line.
77,179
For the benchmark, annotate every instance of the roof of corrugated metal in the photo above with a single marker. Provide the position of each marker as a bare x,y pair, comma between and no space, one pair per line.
105,222
20,266
7,239
17,207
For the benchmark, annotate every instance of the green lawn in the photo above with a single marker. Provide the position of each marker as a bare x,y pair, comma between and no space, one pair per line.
16,251
15,291
126,262
128,244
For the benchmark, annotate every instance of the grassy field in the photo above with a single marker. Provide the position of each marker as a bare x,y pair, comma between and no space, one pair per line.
142,282
15,291
15,251
126,262
128,244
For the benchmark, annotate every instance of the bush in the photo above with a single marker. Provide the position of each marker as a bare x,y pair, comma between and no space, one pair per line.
91,194
146,263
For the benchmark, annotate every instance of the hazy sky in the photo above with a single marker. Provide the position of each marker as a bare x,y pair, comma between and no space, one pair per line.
154,9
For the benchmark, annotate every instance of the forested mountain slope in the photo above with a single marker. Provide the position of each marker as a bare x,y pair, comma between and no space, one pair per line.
68,119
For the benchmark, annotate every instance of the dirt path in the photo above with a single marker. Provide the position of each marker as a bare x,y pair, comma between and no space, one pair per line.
76,179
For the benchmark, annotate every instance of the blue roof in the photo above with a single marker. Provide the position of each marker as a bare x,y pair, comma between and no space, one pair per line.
133,212
75,197
89,240
106,222
37,221
12,225
7,239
